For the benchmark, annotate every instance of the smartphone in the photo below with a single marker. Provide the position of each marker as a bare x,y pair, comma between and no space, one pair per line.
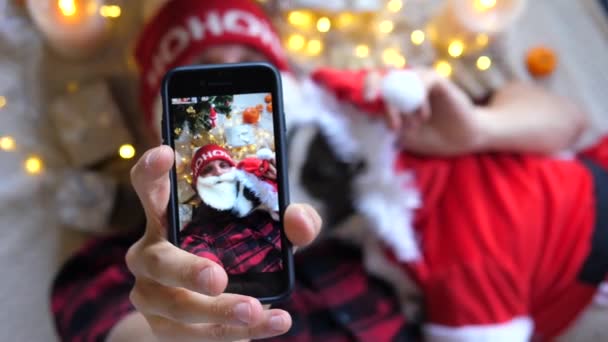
229,186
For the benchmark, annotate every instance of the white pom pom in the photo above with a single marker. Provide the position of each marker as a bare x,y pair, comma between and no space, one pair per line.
265,154
403,90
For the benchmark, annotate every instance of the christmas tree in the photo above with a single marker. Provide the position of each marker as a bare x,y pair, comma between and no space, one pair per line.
198,115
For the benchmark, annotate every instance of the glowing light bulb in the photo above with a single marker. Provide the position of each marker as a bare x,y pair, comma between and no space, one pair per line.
110,11
67,7
484,5
314,47
394,5
33,165
484,63
296,42
7,143
362,51
323,24
418,37
72,87
126,151
393,57
344,20
456,48
2,101
443,68
386,26
482,39
299,18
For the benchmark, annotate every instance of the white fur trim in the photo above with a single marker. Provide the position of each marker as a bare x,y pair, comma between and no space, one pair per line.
387,199
519,329
403,90
262,190
265,154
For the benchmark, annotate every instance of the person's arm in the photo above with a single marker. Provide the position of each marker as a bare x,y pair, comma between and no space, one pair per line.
520,118
526,118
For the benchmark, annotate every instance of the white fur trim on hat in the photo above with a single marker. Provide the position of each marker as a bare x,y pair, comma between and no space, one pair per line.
403,90
519,329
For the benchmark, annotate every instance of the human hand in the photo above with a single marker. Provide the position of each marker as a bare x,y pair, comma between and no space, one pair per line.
180,295
445,124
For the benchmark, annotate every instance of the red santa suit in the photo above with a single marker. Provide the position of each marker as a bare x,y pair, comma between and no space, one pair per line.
503,247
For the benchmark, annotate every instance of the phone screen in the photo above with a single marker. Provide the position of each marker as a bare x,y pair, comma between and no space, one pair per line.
228,183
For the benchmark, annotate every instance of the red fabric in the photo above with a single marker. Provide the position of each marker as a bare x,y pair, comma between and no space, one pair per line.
239,245
349,86
205,155
598,153
503,236
183,29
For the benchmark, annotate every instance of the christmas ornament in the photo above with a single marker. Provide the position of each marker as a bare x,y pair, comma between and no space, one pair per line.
251,115
269,108
213,116
541,61
84,120
268,98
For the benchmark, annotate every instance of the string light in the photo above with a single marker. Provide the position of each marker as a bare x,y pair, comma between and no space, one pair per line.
33,165
2,101
72,87
126,151
443,68
344,20
110,11
418,37
484,5
482,39
456,48
484,63
299,18
314,47
362,51
394,5
296,42
393,57
67,7
7,143
386,26
323,24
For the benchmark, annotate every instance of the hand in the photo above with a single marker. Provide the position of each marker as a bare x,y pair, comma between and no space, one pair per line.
446,124
180,295
271,173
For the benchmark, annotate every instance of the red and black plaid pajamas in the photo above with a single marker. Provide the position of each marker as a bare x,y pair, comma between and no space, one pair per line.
240,245
334,298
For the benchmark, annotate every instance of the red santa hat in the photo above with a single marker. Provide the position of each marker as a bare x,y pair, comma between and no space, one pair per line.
205,155
182,30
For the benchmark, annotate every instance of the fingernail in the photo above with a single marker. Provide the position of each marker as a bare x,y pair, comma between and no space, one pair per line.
205,278
242,312
277,323
312,217
152,156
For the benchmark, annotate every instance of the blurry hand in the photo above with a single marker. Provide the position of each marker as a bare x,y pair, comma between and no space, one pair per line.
180,295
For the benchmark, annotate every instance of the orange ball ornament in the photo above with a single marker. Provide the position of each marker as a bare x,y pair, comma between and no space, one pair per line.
251,115
268,98
541,61
259,107
269,108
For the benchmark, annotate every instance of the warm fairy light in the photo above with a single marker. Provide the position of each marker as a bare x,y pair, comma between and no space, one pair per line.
394,5
67,7
386,26
314,47
484,5
33,165
2,101
126,151
456,48
482,39
299,18
484,63
443,68
110,11
323,24
296,42
418,37
393,57
7,143
72,87
362,51
344,20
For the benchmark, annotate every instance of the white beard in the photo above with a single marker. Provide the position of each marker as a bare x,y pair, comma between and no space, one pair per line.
218,192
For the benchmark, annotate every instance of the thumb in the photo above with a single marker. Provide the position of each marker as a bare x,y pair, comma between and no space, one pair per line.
150,178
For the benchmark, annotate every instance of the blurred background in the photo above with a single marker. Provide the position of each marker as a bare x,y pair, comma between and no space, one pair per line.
71,124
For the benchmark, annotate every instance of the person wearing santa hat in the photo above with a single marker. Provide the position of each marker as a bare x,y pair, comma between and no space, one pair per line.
230,215
335,297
